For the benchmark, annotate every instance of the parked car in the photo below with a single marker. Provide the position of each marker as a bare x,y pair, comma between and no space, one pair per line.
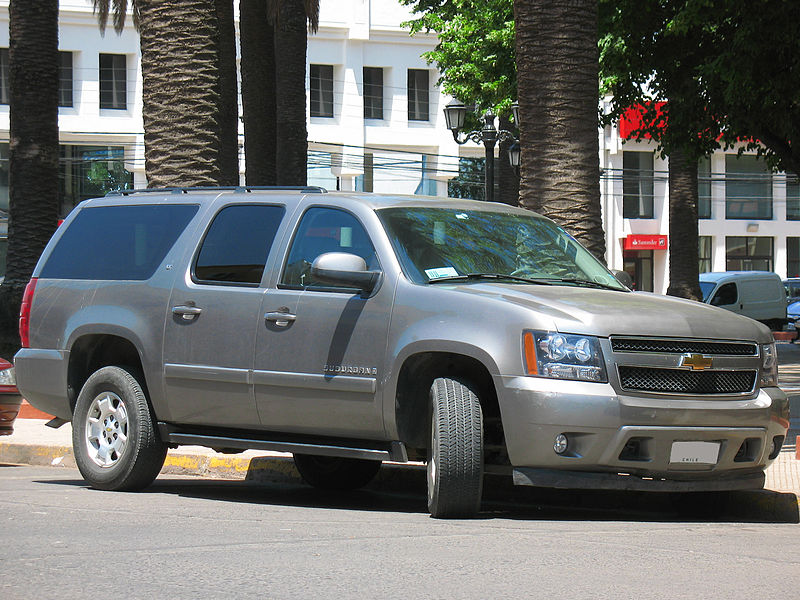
10,399
792,286
351,329
759,295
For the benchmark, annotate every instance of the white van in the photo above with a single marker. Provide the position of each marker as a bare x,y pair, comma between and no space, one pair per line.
759,295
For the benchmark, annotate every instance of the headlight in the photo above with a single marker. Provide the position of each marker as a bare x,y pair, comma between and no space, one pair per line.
561,356
7,377
769,365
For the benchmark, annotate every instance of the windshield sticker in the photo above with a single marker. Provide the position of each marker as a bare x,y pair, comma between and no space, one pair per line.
441,272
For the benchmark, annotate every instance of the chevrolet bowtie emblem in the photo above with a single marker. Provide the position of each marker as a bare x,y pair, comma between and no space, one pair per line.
697,362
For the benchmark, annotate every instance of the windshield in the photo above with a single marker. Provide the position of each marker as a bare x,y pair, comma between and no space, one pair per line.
706,287
439,244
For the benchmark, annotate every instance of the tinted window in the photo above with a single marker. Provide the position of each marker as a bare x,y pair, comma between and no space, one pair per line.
237,244
117,242
725,295
324,230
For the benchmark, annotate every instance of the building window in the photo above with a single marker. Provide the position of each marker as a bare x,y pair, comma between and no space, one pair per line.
748,188
89,172
639,265
65,79
793,256
418,101
113,81
792,197
4,75
373,93
322,91
704,188
637,185
748,253
704,252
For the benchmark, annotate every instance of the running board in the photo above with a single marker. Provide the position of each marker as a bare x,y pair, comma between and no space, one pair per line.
396,451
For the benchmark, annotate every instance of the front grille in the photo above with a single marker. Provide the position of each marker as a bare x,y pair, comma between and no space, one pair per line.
683,346
676,381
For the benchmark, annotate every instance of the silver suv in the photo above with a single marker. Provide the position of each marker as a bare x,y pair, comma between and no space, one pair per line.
352,329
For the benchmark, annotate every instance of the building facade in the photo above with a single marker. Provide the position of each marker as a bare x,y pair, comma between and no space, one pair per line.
375,123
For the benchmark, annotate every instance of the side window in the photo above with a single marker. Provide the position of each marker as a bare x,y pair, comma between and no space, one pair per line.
117,242
237,244
725,295
324,230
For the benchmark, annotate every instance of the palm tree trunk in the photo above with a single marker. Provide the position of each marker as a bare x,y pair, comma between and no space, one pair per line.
557,75
228,96
257,37
291,40
33,160
684,267
181,92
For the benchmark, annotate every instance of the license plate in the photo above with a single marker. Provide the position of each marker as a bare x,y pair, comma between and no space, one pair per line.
696,453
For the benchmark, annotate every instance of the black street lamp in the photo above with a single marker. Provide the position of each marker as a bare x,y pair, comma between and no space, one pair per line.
455,114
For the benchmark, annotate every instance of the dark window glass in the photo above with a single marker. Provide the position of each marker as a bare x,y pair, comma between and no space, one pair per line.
704,188
113,81
89,172
324,230
65,78
237,244
748,188
4,75
792,197
117,242
753,253
727,294
704,253
793,257
418,95
321,90
373,93
637,185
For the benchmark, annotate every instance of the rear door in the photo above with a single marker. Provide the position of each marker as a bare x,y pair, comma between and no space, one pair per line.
215,307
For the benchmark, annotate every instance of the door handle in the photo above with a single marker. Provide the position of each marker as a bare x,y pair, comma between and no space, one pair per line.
281,317
187,313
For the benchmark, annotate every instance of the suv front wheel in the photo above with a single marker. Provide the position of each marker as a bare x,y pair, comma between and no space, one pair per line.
455,454
114,437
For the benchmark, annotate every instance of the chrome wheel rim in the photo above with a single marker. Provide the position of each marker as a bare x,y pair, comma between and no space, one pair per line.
106,432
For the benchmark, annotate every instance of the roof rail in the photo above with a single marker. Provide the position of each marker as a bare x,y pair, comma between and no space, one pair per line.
306,189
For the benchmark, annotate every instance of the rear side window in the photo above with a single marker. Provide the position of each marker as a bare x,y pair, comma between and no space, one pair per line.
117,242
237,244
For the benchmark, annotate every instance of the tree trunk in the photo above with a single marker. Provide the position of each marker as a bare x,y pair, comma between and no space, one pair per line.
507,179
228,96
291,40
181,92
684,267
33,145
257,37
557,75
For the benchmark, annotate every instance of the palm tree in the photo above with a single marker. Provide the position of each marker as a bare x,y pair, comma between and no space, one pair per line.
33,160
557,75
257,38
187,81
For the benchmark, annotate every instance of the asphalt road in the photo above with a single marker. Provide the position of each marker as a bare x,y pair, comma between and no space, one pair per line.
195,538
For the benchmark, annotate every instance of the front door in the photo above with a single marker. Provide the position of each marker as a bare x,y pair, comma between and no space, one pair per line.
320,350
210,335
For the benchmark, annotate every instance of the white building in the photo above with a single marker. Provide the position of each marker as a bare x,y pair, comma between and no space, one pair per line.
375,123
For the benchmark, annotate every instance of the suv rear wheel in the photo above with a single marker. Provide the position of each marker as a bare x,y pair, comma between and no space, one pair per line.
336,473
455,455
113,434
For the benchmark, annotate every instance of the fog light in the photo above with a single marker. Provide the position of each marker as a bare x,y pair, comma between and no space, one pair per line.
561,444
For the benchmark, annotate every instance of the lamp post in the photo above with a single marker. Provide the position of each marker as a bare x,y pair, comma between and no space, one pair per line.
455,114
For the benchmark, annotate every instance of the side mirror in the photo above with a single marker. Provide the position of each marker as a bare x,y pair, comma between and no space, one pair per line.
623,277
345,270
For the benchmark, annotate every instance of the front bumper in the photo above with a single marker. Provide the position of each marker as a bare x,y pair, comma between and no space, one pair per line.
611,434
9,409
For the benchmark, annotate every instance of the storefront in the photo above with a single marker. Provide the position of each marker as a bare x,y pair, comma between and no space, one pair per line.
638,258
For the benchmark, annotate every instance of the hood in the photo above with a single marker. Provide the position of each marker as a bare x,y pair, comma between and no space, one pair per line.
604,312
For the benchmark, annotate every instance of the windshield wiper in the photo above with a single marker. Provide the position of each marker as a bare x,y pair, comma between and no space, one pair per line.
497,276
587,283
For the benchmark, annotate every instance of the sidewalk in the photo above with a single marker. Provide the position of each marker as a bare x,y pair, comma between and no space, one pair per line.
35,444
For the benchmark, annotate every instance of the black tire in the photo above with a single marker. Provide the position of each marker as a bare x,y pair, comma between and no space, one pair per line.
455,455
114,438
336,473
